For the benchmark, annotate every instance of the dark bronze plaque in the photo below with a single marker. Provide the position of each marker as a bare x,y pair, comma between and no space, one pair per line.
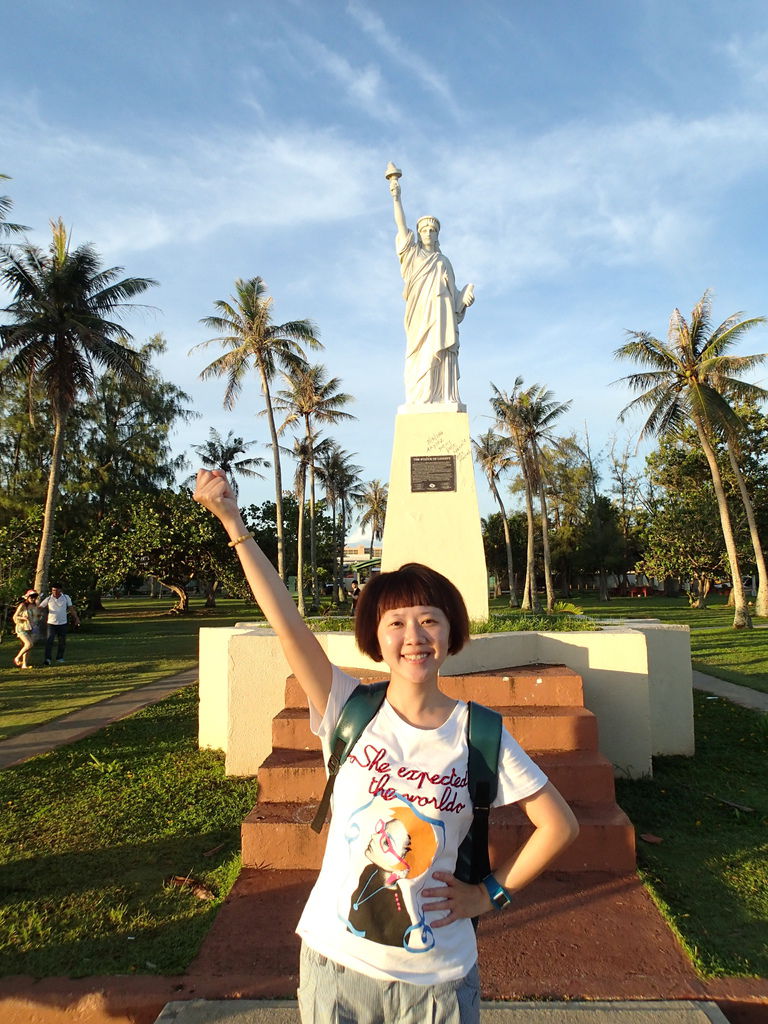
433,473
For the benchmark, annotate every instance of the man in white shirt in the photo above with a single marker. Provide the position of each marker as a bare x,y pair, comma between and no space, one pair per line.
58,605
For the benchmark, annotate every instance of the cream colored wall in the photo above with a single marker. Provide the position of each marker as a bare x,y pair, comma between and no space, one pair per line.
671,681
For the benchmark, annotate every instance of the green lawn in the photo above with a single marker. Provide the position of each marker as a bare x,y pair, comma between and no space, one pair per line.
710,872
90,834
135,641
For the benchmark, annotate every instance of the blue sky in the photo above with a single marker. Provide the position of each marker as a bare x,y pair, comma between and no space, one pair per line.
593,165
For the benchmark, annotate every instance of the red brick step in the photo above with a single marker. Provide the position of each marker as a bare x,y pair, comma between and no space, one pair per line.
279,836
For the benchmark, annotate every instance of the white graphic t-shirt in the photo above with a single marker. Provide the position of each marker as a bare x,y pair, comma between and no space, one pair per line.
401,808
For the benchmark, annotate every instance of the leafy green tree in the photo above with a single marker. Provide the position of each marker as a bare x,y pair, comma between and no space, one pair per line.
495,535
166,535
121,436
116,440
245,329
681,525
626,489
58,330
313,399
683,541
261,520
222,453
17,558
599,542
569,494
689,379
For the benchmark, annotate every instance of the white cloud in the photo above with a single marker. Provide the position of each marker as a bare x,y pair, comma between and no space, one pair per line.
363,85
394,47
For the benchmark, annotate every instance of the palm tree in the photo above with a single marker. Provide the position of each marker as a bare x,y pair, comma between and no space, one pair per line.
59,329
689,378
340,478
506,408
221,453
538,411
373,499
6,228
302,453
245,329
528,415
493,453
312,398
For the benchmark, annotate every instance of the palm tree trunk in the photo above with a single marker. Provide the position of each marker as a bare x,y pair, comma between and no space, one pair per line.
513,602
761,601
300,547
312,530
278,476
741,616
530,599
545,547
51,502
341,592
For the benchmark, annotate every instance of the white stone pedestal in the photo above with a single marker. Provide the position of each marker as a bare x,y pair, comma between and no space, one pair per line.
440,528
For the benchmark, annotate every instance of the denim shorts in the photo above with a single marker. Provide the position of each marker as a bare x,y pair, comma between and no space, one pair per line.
332,994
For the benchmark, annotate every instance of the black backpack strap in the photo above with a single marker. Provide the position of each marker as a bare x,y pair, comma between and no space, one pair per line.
361,707
484,742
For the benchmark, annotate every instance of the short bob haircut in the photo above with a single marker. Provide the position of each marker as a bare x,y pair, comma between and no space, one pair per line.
411,584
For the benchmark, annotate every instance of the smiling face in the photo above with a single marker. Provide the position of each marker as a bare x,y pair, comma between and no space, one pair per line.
414,641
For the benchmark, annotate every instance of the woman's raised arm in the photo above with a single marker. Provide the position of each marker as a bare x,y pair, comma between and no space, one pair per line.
306,657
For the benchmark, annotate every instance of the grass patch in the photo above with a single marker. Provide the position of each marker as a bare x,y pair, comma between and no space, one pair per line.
739,657
709,876
90,833
134,641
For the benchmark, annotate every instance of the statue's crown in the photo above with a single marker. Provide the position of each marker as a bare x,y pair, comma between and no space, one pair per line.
433,221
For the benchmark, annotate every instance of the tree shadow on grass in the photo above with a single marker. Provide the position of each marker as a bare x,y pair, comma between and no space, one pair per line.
111,910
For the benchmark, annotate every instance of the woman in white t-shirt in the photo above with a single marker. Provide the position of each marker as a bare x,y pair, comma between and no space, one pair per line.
386,932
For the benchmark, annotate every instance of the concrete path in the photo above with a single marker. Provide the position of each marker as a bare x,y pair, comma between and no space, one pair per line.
253,1011
90,719
743,695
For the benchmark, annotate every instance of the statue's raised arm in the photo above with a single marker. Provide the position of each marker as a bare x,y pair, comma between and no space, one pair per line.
434,308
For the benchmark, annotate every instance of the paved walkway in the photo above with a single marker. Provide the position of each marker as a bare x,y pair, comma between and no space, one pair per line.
90,719
743,695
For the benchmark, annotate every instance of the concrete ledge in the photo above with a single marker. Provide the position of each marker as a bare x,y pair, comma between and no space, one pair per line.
637,681
253,1011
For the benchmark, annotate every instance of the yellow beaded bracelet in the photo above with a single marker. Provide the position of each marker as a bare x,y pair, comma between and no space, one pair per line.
239,540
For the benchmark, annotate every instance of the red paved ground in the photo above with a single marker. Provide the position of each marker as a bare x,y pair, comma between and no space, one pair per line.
569,937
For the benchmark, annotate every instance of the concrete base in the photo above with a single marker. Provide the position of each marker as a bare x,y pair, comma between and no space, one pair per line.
285,1011
637,681
440,528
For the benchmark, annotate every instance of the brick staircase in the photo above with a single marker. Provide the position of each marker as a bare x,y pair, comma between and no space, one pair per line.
543,708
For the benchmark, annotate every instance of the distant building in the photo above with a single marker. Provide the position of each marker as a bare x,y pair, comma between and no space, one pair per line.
359,553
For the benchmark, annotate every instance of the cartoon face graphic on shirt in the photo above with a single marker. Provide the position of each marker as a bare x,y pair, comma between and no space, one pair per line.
401,846
387,849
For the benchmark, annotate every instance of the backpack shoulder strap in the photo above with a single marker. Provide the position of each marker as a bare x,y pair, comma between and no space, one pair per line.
362,705
484,742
